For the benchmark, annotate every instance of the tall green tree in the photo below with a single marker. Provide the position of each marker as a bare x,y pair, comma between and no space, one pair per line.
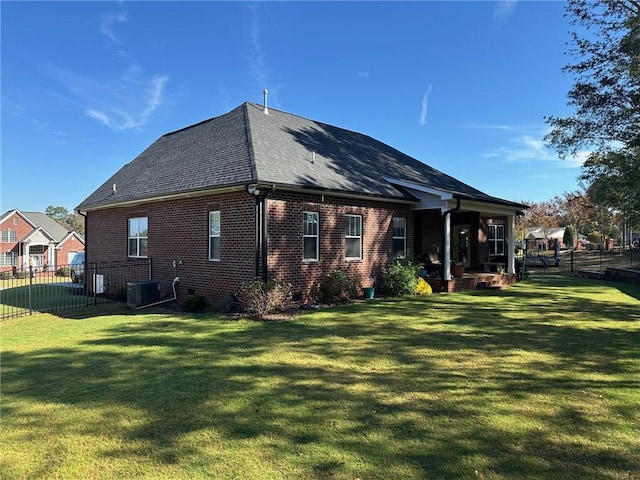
72,221
605,97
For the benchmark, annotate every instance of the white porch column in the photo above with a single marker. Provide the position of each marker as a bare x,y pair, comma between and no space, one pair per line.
447,248
511,243
27,256
52,257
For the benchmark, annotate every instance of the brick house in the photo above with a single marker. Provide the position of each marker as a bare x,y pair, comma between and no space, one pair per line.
262,192
33,238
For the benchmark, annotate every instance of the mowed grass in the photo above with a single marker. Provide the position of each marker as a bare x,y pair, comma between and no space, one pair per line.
539,381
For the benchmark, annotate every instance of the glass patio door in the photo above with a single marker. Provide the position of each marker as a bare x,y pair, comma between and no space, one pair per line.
460,244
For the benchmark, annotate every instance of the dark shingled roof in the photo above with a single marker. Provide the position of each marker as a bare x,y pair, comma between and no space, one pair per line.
246,146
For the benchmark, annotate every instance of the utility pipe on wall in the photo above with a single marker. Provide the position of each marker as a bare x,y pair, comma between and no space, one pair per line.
175,296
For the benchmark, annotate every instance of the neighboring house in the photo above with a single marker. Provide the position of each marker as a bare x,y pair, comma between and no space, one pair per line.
539,238
35,239
262,192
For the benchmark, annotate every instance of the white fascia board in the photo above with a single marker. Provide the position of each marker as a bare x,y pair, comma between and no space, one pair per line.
441,194
18,212
487,208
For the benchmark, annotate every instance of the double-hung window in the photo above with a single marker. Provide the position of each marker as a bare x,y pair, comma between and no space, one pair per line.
8,259
9,236
496,239
353,237
214,235
138,236
399,228
310,236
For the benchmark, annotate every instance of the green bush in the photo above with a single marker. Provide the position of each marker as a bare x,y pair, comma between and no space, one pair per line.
260,298
224,304
337,287
399,277
569,236
63,272
195,304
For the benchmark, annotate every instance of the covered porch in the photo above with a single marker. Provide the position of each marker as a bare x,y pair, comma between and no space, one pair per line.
471,239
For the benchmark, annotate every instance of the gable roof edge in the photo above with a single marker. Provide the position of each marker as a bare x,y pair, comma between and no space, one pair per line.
252,154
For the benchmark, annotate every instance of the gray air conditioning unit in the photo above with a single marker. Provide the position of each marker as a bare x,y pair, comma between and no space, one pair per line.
142,293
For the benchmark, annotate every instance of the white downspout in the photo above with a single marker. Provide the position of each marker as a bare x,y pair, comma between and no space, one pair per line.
511,242
447,247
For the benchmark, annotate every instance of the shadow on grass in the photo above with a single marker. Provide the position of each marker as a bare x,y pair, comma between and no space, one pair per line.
433,387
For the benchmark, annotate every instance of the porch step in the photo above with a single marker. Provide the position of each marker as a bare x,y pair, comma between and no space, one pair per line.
489,285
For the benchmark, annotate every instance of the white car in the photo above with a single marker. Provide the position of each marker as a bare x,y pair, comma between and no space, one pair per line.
77,268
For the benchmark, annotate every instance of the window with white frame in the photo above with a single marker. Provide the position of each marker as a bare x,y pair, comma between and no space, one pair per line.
496,239
8,259
310,236
9,236
353,237
16,222
399,228
36,249
214,235
138,236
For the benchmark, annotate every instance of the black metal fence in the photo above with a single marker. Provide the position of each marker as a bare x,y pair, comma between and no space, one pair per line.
571,262
33,290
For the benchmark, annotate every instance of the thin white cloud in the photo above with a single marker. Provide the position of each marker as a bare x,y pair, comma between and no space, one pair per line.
113,114
121,103
503,10
496,127
530,148
364,74
425,106
120,99
100,116
107,25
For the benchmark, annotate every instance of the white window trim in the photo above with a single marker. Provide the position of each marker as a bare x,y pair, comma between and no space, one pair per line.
495,239
137,237
9,236
404,237
316,236
8,263
219,235
359,237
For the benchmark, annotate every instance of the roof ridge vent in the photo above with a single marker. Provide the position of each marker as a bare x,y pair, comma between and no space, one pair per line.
265,110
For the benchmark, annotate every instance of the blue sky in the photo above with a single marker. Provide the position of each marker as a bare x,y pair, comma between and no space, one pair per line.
461,86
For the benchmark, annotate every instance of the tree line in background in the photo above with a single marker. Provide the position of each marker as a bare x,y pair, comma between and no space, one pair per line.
605,124
71,221
580,213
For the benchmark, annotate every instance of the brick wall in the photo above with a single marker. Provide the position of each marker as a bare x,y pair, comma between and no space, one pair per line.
71,245
22,229
178,231
430,239
286,242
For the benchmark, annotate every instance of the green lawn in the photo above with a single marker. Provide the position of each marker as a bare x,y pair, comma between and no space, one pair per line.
44,297
539,381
